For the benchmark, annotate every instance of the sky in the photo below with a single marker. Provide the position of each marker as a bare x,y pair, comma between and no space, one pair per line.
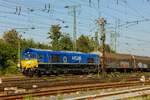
127,20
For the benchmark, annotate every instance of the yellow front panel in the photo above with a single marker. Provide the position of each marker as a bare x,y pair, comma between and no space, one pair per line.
32,63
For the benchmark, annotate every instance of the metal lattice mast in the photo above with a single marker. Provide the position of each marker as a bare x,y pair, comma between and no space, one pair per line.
74,28
102,23
74,12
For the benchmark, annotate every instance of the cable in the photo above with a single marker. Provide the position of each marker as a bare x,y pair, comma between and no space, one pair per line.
138,13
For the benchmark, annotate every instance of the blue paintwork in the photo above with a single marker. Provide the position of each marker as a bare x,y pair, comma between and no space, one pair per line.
72,57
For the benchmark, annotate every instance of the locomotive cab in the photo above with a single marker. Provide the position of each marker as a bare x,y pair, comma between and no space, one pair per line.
28,62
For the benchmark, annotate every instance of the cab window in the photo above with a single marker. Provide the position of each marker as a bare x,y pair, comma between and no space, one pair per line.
40,56
28,55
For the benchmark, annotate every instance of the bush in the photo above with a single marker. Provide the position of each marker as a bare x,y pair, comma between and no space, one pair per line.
2,72
11,69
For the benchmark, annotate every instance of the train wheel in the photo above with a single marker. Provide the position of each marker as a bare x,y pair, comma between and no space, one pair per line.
24,72
56,74
39,73
30,73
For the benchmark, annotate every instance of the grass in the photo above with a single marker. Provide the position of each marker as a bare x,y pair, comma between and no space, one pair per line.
28,97
146,97
60,97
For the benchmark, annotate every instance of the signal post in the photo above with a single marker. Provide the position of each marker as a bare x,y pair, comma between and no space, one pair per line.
102,23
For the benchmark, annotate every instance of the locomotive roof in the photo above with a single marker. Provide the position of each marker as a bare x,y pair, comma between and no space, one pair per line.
45,50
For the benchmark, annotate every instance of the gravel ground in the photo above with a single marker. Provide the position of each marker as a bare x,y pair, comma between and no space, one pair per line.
79,94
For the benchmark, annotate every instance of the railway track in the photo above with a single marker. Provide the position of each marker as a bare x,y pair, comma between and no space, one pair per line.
27,83
117,94
69,89
52,85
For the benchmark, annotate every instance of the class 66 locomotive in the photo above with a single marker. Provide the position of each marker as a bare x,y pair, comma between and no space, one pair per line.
46,62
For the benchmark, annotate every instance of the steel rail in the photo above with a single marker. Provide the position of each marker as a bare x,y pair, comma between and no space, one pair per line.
69,89
100,96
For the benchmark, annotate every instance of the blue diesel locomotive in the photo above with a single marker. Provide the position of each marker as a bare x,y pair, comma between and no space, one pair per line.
40,62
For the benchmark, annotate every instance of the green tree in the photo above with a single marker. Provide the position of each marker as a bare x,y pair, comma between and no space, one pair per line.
96,42
7,52
97,46
66,43
55,34
11,37
30,43
107,48
42,46
85,44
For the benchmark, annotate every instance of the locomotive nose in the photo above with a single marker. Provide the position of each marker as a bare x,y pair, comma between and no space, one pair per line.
29,63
